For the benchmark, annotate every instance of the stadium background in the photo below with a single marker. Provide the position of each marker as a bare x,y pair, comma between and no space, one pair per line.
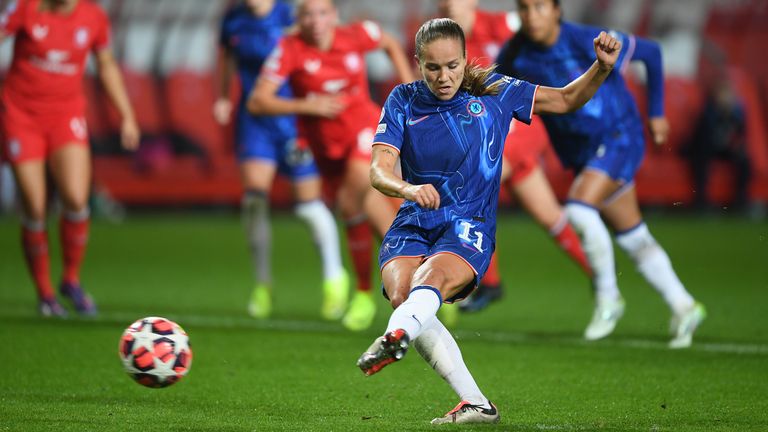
168,53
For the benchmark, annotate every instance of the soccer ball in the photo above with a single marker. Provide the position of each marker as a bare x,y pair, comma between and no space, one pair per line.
155,352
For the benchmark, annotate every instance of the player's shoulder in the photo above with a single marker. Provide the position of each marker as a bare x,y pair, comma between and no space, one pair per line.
93,9
499,21
353,30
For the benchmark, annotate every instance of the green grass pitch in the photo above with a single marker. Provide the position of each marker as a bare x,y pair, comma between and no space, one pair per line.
296,372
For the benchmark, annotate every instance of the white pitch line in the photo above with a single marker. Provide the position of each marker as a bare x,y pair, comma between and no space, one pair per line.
510,337
495,336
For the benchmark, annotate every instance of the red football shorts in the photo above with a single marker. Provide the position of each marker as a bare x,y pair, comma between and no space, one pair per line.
30,137
523,148
332,170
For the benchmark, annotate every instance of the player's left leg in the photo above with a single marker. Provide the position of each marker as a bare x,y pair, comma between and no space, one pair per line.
312,210
70,167
633,236
439,349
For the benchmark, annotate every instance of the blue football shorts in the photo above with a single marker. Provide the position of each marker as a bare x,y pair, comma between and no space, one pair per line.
471,240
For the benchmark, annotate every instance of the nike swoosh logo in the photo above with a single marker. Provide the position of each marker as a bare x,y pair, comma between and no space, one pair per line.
412,121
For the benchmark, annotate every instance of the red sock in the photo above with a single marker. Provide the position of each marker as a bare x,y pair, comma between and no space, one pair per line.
492,278
74,238
570,243
35,244
360,242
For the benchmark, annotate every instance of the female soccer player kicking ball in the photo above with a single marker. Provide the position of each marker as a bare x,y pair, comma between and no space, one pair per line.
43,122
448,131
604,144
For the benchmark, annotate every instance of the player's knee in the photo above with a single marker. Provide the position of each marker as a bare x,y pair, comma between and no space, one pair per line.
638,242
255,199
433,276
398,295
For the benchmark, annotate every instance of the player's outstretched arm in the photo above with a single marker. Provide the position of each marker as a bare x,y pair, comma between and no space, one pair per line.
384,179
264,100
112,80
394,50
573,96
649,52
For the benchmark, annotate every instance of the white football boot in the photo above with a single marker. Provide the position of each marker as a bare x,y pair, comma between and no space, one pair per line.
607,313
683,325
465,413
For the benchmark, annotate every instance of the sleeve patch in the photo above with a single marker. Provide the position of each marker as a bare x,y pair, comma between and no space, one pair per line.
382,128
373,30
513,22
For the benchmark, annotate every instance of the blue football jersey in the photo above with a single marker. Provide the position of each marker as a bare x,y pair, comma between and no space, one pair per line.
575,136
454,145
252,39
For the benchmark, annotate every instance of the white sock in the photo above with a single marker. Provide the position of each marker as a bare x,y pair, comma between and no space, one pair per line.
325,234
255,213
421,306
438,347
597,245
654,264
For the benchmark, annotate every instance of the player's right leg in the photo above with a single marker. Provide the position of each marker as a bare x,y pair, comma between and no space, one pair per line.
396,278
25,148
588,191
30,178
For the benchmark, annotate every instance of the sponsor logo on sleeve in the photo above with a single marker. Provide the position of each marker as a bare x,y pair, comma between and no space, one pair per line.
382,128
373,30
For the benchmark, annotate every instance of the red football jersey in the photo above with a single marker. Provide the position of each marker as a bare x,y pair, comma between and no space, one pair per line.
49,54
337,71
490,32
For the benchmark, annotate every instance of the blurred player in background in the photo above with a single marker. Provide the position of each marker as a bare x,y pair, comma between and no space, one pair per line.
44,129
268,144
446,130
604,143
522,175
324,65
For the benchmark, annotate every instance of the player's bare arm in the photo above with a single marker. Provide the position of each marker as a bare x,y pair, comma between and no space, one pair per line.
110,76
222,107
394,50
264,100
386,181
573,96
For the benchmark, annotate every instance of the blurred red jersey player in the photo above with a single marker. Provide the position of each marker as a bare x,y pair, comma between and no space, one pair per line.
486,33
324,64
44,128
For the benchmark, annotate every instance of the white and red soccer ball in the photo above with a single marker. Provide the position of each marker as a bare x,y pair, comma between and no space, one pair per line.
155,352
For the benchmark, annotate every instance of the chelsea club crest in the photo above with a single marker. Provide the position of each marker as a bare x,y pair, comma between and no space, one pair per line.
475,107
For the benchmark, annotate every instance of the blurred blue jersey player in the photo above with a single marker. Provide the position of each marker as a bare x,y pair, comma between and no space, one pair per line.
603,143
448,132
266,145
